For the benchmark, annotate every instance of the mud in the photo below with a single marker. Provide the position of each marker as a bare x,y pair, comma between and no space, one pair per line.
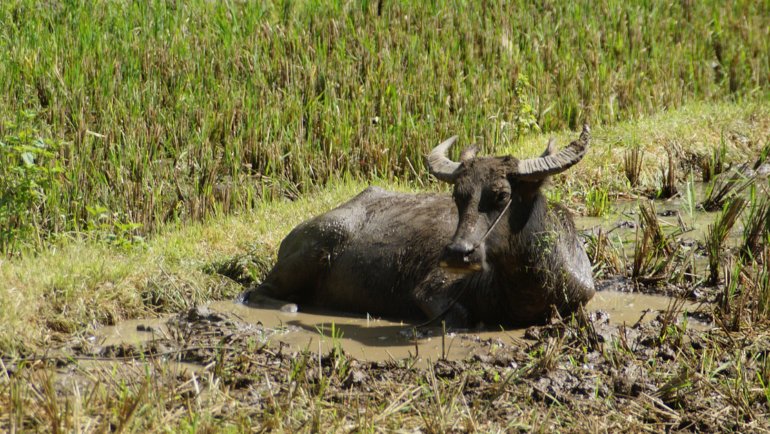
630,362
366,339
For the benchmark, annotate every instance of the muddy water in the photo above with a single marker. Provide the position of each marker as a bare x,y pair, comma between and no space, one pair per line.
689,229
378,339
133,332
623,219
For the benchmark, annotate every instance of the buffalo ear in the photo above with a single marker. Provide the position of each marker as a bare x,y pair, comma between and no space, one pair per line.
511,165
550,149
469,153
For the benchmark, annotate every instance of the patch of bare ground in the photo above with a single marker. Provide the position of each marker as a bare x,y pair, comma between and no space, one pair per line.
211,371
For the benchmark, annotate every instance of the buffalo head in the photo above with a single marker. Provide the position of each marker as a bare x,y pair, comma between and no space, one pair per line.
488,188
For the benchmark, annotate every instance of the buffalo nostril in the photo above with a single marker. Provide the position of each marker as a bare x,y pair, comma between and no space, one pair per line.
462,248
460,256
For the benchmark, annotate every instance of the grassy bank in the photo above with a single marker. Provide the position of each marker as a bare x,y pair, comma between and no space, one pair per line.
84,282
124,116
81,284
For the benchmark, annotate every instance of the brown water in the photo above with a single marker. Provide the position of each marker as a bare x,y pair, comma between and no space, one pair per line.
379,339
623,220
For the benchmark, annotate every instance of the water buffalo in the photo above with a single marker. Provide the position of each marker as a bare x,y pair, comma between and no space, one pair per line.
495,251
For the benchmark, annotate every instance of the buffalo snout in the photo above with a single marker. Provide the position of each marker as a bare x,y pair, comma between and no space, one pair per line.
462,256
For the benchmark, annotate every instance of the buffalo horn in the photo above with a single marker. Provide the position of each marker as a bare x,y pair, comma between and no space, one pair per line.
439,165
553,163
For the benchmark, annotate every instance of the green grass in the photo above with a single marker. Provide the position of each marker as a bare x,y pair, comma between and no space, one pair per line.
145,144
162,111
81,281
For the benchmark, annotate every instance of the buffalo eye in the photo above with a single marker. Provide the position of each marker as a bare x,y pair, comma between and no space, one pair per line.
493,200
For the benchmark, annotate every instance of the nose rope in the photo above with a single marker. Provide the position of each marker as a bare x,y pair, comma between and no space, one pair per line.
497,220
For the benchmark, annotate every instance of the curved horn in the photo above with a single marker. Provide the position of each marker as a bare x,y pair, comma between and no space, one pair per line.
439,165
553,163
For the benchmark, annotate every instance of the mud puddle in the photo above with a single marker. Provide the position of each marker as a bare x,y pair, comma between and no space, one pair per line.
622,222
366,339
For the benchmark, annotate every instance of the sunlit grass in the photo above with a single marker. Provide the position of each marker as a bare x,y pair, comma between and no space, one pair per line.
179,110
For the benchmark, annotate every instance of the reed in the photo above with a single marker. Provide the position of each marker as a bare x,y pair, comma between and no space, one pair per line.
714,164
669,178
598,201
632,165
606,259
756,226
717,235
175,111
652,249
722,188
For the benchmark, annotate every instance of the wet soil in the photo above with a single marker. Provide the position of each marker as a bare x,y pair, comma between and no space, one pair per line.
366,338
629,361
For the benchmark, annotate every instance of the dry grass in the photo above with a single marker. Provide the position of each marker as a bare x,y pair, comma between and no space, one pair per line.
575,375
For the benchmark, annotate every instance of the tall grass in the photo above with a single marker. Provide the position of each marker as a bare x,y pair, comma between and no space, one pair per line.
173,110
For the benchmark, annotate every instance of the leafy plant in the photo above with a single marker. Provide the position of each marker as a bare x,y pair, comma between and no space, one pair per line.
27,168
111,228
524,118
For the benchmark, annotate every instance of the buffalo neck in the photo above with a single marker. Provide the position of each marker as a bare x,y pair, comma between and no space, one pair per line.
524,232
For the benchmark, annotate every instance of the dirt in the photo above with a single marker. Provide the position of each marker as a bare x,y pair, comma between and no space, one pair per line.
629,361
627,370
